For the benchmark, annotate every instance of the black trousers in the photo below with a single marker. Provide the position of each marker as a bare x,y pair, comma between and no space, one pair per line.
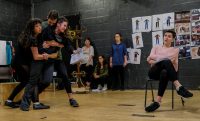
89,72
102,80
62,71
22,73
118,77
163,71
31,89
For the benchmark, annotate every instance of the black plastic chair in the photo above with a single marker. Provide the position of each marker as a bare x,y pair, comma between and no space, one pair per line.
146,88
6,73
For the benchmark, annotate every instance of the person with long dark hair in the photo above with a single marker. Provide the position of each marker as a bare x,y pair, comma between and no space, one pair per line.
118,61
26,52
101,75
55,39
29,40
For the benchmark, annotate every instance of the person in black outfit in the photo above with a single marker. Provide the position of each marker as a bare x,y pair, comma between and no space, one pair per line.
29,40
55,39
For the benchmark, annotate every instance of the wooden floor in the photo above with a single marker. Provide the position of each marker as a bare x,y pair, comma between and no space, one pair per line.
107,106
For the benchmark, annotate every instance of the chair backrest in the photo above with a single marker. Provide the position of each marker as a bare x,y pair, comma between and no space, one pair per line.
6,72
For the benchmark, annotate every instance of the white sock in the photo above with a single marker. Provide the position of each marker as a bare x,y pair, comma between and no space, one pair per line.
36,103
9,101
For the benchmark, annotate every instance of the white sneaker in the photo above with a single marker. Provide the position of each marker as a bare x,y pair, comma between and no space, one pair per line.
99,87
105,87
96,90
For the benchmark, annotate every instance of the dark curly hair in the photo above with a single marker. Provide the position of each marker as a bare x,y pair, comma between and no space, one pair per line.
99,65
24,37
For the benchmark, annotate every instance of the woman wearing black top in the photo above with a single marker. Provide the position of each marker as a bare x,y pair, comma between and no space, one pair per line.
26,51
28,41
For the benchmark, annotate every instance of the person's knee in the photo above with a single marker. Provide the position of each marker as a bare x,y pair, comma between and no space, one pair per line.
167,62
163,73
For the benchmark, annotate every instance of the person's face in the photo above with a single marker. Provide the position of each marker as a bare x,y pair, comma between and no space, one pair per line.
101,59
62,26
168,38
37,28
52,22
87,42
117,38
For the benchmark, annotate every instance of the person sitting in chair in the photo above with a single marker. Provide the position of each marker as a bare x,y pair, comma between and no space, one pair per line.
164,67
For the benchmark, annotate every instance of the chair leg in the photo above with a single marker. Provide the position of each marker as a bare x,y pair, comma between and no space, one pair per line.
54,86
145,98
172,96
152,92
183,102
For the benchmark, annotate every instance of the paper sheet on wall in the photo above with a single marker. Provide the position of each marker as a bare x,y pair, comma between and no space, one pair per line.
3,53
146,23
137,40
157,38
136,24
134,56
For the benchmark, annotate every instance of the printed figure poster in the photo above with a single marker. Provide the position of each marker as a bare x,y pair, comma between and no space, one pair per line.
168,21
157,38
157,22
134,56
136,24
146,24
137,40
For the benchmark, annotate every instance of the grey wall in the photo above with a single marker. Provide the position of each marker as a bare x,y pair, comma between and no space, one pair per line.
13,16
105,17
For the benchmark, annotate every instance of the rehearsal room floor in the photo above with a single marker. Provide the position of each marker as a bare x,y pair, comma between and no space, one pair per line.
107,106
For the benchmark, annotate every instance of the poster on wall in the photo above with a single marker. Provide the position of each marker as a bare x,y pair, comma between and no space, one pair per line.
146,24
195,34
182,40
195,52
137,40
134,56
168,21
3,60
136,24
137,56
157,22
129,55
157,38
183,33
184,52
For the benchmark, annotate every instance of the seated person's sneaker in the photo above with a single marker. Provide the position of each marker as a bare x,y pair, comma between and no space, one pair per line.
40,106
104,89
152,107
73,103
11,104
96,90
184,92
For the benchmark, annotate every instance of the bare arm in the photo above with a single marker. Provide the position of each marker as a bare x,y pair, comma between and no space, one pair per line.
37,56
125,60
110,61
52,43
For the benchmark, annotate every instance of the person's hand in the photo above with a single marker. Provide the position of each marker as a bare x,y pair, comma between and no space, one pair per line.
45,45
125,63
45,56
111,65
96,76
